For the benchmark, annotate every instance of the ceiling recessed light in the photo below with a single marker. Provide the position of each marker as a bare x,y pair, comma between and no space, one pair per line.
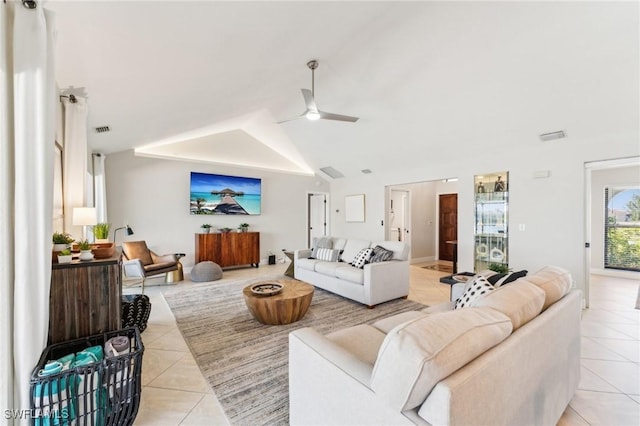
560,134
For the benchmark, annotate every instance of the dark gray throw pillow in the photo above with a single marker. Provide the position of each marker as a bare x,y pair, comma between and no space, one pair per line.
380,254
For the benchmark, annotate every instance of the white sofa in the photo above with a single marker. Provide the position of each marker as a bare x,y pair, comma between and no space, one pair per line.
498,363
373,284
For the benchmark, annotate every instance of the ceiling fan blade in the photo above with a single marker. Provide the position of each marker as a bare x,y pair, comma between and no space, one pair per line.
330,116
291,119
308,100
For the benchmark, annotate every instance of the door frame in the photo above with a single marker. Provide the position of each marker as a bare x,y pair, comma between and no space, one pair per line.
327,216
407,213
589,168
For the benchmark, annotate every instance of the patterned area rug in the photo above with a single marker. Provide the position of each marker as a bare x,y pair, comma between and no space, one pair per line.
246,362
439,267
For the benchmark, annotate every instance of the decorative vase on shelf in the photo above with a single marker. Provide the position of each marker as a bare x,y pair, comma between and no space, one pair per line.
85,255
60,247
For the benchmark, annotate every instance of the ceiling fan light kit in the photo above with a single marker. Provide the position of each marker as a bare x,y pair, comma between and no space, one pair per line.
312,112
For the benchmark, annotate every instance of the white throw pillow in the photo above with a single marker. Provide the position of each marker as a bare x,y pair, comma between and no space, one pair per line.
361,258
478,288
329,255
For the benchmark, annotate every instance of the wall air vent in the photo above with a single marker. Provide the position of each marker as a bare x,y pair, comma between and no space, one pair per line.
331,172
560,134
103,129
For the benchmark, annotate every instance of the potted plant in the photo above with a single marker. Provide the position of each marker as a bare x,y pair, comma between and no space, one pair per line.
85,250
61,241
64,256
225,230
206,227
101,232
499,268
243,227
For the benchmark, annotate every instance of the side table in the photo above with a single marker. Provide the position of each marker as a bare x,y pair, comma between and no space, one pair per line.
177,275
450,280
289,271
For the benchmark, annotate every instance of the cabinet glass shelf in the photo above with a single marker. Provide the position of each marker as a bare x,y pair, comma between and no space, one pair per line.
491,234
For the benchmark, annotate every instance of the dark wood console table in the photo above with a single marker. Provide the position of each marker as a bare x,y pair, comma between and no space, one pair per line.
85,298
229,248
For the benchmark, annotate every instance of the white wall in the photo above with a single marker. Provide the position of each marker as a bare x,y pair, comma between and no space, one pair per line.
152,196
623,176
552,210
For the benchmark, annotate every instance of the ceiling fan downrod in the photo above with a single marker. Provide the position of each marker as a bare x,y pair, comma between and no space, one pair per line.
312,64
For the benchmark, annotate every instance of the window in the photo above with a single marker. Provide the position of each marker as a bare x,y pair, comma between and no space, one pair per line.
622,228
58,209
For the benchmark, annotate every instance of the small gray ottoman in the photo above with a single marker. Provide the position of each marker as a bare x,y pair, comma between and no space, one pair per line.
206,271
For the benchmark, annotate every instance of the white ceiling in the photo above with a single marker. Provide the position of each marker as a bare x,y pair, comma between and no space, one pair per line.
427,79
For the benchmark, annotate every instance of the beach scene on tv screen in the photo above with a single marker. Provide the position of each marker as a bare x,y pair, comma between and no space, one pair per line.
220,194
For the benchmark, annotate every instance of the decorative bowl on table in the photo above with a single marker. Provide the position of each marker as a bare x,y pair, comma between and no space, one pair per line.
266,289
462,278
103,250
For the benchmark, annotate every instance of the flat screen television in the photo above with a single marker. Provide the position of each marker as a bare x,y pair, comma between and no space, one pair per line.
213,194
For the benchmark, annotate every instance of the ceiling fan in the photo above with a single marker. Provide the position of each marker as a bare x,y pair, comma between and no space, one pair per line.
312,112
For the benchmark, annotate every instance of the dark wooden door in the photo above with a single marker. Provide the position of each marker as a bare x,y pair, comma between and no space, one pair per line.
448,228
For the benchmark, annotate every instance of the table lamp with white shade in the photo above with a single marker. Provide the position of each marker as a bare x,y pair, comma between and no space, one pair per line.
84,216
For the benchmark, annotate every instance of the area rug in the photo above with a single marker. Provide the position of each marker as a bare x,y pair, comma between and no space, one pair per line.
246,362
441,268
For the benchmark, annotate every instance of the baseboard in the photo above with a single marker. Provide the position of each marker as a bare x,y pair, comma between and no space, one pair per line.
615,273
422,259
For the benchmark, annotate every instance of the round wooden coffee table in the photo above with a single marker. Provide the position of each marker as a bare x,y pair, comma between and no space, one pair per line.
288,306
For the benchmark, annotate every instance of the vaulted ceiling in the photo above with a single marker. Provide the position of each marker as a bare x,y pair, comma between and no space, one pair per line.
208,81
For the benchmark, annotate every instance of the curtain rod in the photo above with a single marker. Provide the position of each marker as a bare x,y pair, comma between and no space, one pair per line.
72,98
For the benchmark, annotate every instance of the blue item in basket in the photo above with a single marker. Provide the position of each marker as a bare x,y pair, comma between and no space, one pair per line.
56,395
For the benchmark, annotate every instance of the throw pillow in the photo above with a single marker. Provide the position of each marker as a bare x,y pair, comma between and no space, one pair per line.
321,242
329,255
361,258
477,289
498,280
380,254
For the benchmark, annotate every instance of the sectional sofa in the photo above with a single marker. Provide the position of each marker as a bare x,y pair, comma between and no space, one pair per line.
511,358
371,284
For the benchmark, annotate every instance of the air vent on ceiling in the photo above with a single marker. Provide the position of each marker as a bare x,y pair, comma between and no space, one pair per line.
545,137
366,171
103,129
331,172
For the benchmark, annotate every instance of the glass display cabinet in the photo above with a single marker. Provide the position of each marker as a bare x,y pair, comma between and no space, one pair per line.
491,222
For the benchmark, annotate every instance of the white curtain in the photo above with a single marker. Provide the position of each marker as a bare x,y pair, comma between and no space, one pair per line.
99,187
75,161
27,110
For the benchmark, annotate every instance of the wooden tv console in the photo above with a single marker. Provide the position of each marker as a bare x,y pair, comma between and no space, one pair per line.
229,249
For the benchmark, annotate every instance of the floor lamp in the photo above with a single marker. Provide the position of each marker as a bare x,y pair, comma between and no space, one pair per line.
129,232
84,216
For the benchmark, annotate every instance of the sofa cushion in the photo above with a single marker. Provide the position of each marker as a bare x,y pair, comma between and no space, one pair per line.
361,340
328,255
520,301
349,273
307,263
327,268
361,258
338,243
417,354
554,281
476,288
352,248
400,249
387,324
498,280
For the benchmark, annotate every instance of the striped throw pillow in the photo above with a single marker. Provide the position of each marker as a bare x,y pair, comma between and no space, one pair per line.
329,255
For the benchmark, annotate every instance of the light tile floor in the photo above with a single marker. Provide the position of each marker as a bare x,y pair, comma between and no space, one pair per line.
175,393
